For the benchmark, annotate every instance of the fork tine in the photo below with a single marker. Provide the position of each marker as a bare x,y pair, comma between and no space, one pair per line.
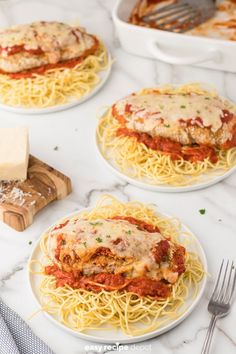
218,280
222,289
234,283
225,296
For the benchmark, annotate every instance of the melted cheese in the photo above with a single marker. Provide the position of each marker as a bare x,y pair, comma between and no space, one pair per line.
36,35
148,111
83,236
58,41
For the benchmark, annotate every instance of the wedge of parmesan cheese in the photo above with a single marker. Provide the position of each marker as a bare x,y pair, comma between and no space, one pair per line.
14,154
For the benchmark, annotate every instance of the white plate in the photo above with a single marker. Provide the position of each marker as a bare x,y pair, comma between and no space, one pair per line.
113,335
104,74
209,180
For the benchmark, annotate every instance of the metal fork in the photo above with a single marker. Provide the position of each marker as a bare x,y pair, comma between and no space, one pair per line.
221,299
182,15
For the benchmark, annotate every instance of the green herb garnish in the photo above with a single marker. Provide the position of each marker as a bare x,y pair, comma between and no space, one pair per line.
108,236
30,242
128,232
96,223
183,106
202,211
55,148
99,239
85,244
167,125
198,111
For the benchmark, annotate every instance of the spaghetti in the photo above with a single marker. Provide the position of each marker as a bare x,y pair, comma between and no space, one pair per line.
55,86
137,160
81,310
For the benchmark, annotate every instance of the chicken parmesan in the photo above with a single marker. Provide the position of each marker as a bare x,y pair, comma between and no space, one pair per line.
46,63
113,254
117,264
181,132
23,48
184,125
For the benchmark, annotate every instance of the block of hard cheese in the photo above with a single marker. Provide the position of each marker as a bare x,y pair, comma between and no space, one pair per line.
14,154
21,201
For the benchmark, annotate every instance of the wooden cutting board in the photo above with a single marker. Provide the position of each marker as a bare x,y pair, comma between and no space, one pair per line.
20,201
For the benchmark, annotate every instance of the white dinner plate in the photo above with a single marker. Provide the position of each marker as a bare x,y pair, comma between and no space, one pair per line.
103,74
205,180
116,335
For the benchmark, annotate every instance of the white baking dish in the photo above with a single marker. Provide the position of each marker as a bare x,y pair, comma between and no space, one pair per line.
172,48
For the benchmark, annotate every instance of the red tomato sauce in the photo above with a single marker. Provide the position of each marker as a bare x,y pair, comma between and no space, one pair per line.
227,116
161,251
71,63
141,286
142,225
232,142
60,226
199,153
178,260
172,148
19,49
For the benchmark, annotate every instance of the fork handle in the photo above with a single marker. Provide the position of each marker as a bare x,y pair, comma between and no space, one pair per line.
207,342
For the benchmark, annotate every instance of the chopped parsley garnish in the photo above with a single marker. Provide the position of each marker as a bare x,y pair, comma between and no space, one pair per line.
128,232
207,98
183,106
55,148
108,236
198,111
99,239
167,125
30,242
85,244
96,223
63,242
202,211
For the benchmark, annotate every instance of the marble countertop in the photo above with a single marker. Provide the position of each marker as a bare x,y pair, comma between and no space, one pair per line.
72,131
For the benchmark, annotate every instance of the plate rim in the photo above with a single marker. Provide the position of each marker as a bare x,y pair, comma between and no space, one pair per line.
75,102
127,340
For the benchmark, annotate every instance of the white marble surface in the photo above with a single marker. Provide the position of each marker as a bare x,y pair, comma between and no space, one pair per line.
72,131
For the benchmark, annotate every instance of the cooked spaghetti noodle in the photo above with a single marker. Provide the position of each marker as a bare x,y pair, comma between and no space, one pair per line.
56,86
136,160
82,310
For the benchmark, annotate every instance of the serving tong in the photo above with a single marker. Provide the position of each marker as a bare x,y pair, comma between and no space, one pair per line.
180,15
